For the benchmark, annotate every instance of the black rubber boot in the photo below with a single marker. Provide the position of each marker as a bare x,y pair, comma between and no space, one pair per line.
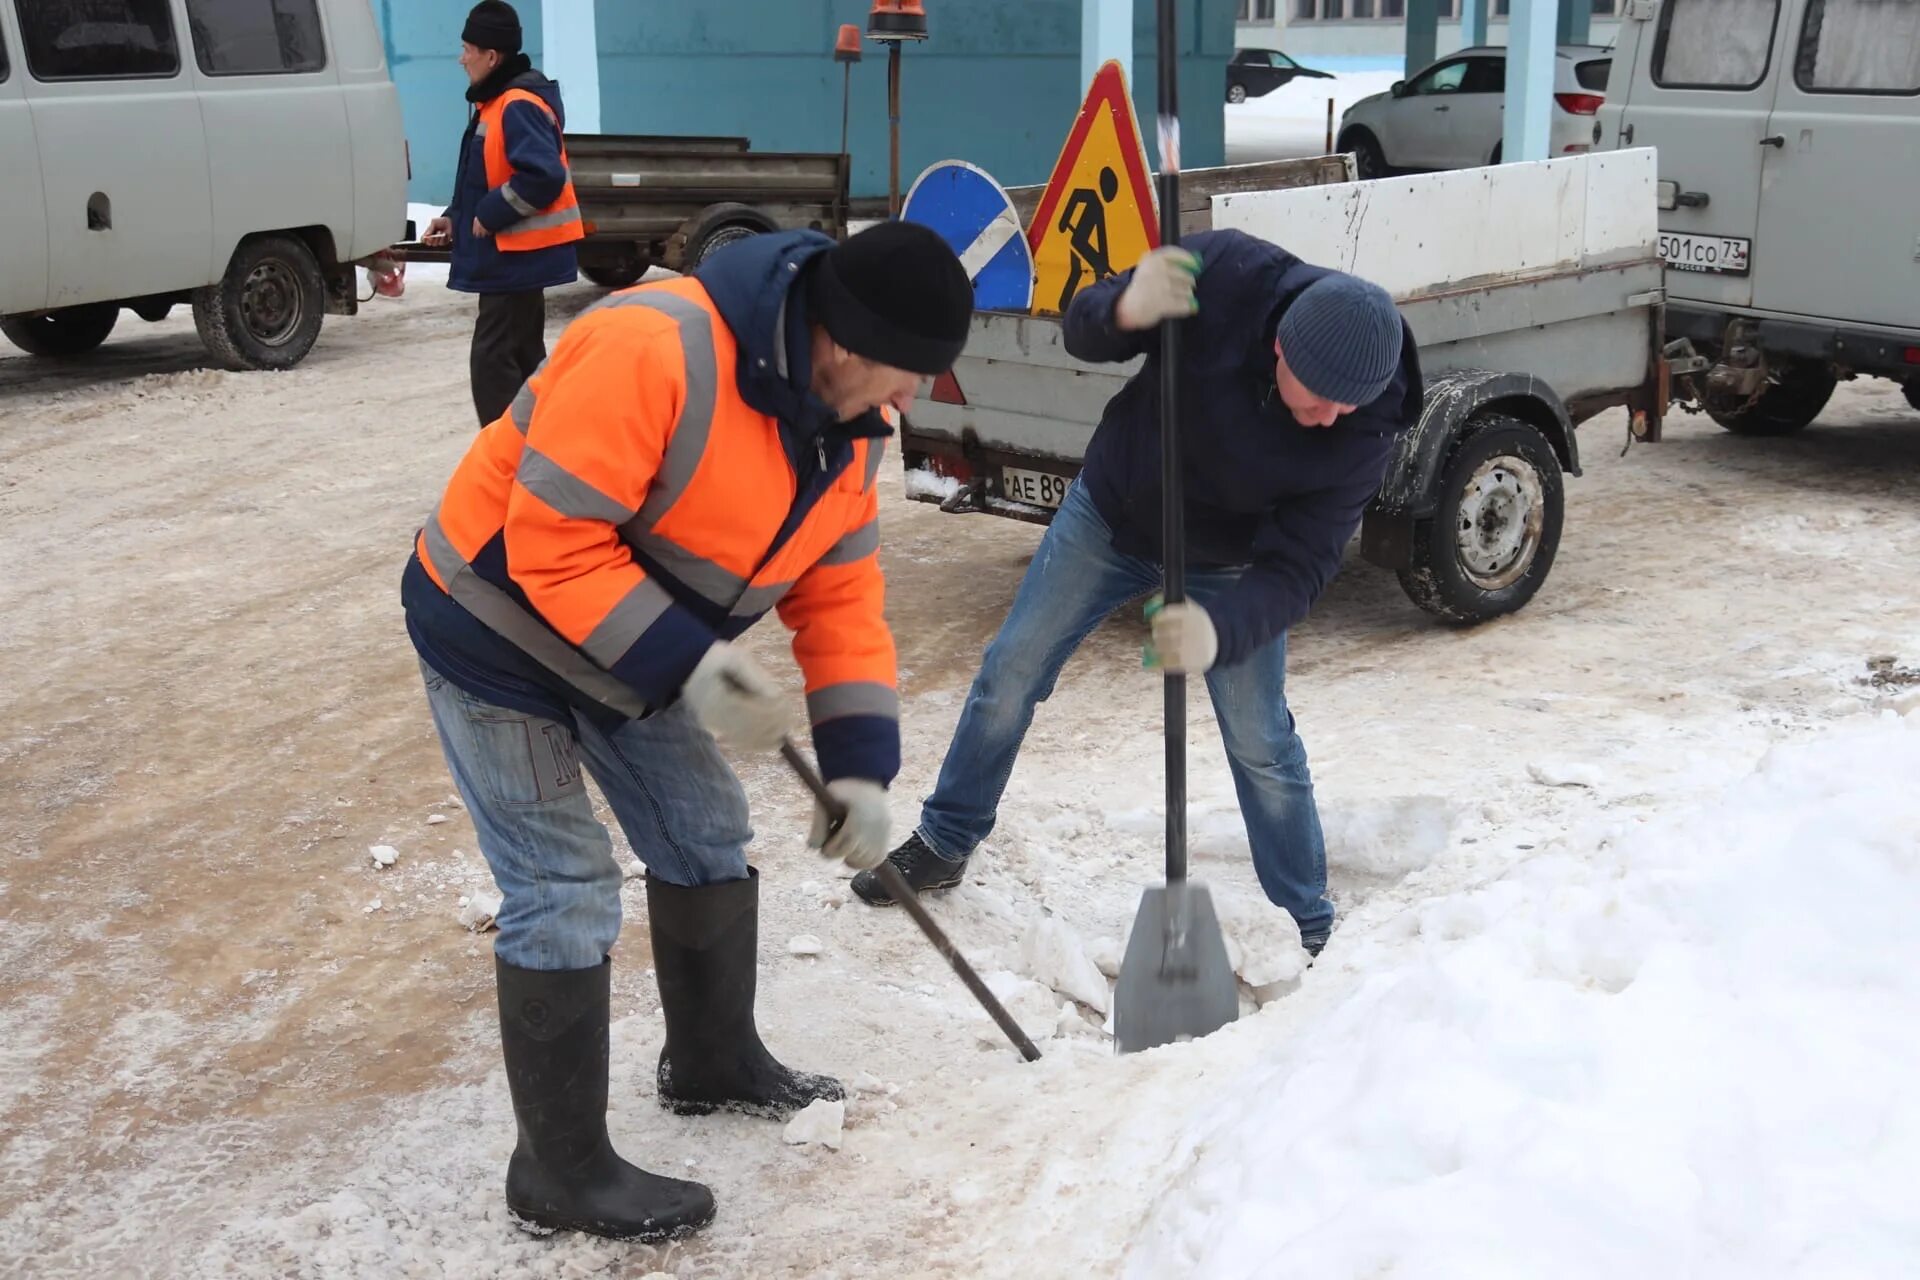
564,1173
705,956
924,871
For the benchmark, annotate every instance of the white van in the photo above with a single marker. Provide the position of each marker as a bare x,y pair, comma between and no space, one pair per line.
240,155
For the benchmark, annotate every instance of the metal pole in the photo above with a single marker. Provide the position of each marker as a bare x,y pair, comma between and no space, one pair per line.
893,126
1329,150
846,96
1172,497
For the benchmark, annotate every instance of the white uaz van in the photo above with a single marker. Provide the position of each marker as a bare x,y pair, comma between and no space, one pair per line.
240,155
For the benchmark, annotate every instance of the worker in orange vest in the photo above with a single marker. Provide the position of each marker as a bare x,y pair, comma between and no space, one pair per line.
514,219
695,453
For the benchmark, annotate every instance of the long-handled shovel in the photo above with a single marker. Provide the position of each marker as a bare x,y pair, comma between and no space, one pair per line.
896,887
1175,980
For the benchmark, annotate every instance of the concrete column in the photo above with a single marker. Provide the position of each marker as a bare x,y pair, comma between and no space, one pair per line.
1576,21
1530,32
1423,34
571,55
1106,32
1473,22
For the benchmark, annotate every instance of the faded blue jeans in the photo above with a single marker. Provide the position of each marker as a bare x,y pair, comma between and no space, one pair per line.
672,792
1075,581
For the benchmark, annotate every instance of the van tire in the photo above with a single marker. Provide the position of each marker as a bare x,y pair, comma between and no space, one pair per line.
1501,491
266,311
1786,406
62,334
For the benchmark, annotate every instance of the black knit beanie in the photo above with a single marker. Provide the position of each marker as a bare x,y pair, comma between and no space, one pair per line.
896,294
1341,337
493,24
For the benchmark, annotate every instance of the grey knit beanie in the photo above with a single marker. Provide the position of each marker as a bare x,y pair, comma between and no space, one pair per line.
1341,337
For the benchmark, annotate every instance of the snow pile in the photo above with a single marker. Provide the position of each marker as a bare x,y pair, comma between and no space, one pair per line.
1683,1046
1291,121
821,1122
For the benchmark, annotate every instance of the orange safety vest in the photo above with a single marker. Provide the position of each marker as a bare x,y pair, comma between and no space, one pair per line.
559,222
637,501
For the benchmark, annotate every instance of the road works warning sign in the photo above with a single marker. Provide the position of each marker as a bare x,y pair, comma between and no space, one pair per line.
1097,216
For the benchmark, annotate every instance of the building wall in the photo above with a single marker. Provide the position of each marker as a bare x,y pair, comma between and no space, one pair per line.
996,84
1381,40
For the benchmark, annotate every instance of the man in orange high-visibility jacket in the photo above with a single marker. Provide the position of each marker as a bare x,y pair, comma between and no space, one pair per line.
694,453
514,219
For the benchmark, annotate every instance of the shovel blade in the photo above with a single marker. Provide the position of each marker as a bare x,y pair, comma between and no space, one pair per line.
1175,980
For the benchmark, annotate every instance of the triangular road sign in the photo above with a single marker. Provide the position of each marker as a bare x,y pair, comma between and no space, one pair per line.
1097,216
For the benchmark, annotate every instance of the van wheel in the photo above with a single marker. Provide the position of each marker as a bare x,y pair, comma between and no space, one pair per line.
1491,544
1792,401
70,331
265,313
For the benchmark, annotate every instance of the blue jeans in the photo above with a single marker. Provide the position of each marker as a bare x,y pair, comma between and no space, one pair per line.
679,803
1075,581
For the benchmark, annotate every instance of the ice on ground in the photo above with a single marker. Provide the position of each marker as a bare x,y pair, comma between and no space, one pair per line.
804,944
1387,837
1053,954
384,855
479,908
821,1122
1566,773
1684,1043
1031,1004
1263,942
435,819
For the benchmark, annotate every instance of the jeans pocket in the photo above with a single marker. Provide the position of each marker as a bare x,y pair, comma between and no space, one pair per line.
523,759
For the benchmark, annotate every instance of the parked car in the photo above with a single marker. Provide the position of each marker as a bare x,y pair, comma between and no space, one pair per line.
1787,218
241,158
1256,72
1451,115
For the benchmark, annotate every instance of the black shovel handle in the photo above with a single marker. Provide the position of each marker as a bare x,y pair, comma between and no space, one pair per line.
897,888
1173,542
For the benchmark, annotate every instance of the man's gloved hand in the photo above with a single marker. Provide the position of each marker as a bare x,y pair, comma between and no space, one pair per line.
861,842
735,700
1184,641
1161,289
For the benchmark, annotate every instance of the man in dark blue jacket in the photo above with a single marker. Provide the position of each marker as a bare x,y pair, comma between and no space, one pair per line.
1295,382
485,222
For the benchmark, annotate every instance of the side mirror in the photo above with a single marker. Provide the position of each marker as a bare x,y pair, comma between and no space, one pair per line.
1399,89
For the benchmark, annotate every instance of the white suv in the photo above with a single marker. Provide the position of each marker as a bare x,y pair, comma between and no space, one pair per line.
1450,116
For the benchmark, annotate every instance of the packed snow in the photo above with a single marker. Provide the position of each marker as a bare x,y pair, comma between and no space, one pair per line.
1291,122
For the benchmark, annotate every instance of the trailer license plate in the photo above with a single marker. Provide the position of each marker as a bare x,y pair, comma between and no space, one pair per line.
1723,255
1036,488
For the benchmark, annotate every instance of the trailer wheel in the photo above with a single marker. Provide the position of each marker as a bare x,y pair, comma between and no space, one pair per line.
716,239
616,273
70,331
1493,539
265,313
1786,406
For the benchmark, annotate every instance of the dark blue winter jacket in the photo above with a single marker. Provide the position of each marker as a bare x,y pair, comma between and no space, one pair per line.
1261,490
533,149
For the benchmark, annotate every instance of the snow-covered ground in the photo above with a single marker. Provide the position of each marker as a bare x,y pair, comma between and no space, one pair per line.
1624,981
1291,122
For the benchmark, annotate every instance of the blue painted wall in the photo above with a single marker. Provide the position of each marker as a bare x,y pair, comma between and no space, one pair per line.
997,84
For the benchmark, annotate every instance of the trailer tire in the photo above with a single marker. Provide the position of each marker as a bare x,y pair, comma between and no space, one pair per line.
1786,406
62,334
1493,538
615,273
265,313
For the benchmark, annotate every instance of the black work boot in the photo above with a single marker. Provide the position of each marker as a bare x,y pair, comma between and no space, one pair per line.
924,871
705,957
564,1173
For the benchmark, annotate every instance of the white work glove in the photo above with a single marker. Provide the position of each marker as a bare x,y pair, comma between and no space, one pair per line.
1161,289
861,841
735,700
1184,641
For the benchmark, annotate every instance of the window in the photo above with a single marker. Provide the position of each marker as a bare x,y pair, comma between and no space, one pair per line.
1446,78
1860,46
5,70
1592,74
1257,10
1363,8
256,37
1305,10
1714,44
1604,8
1485,75
98,39
1393,8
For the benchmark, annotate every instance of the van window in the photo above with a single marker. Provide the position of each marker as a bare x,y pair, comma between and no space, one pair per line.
5,70
1860,46
1714,44
98,39
256,37
1592,74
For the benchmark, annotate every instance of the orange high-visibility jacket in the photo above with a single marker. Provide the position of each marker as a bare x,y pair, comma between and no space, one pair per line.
631,507
559,222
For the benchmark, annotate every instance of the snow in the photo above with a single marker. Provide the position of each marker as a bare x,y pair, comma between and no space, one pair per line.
804,944
923,484
1291,122
820,1122
1679,1044
384,855
478,909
